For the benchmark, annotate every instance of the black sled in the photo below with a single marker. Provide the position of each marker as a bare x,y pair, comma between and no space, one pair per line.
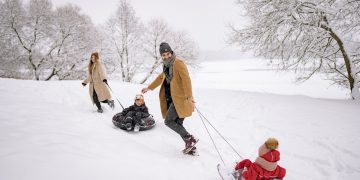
119,121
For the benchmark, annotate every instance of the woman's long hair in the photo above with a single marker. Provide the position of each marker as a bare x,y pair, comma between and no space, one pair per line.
91,64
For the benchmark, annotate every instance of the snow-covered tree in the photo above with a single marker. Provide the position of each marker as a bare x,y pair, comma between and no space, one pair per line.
10,59
41,42
125,30
157,31
31,27
308,36
184,47
76,37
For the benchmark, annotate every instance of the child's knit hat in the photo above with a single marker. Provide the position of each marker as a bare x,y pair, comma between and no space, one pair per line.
139,96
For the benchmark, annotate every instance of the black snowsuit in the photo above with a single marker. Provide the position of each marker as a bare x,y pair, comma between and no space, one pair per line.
135,113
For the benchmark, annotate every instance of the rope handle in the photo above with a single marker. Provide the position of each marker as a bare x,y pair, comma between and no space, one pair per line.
202,117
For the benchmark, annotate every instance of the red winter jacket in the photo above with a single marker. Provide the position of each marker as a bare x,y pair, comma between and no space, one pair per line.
255,171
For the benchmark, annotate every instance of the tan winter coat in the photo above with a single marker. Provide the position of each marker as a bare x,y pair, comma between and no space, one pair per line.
181,90
96,81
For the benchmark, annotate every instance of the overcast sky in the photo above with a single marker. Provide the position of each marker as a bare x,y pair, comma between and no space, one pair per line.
204,20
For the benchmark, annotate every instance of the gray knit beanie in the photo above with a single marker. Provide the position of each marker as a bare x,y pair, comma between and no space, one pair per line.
165,47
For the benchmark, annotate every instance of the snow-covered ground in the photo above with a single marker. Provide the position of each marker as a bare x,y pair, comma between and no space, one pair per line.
50,130
252,74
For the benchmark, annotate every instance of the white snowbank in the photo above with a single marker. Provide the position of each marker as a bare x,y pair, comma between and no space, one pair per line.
50,130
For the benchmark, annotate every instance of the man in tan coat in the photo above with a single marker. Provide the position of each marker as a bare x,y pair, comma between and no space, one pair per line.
176,100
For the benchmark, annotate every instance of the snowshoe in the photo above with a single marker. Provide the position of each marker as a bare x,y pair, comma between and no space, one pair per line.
190,142
192,152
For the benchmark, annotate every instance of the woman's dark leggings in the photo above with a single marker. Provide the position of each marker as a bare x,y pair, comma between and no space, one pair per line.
96,100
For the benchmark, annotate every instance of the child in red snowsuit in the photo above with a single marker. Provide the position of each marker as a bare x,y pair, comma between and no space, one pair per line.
265,166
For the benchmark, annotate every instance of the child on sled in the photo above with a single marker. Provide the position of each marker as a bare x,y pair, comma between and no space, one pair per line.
265,166
135,113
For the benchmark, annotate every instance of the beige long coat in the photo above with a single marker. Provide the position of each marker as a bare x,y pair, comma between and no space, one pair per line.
181,90
96,82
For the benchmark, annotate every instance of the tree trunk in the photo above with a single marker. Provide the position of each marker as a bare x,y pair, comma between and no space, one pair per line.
122,67
53,73
35,69
37,75
153,68
127,66
155,65
353,88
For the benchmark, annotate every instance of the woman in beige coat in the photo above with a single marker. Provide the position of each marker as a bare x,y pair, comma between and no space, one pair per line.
97,79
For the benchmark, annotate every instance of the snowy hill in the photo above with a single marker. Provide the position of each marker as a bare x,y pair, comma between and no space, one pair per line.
50,130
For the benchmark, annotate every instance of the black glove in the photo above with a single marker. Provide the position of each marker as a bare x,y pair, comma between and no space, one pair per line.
83,84
105,81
